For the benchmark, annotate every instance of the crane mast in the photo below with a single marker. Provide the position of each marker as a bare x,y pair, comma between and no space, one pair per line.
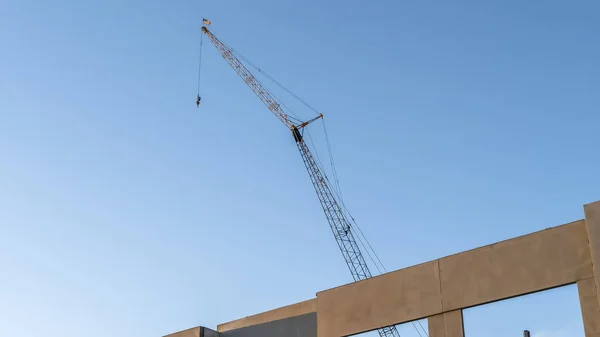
337,218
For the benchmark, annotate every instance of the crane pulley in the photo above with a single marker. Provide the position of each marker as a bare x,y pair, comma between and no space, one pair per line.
335,213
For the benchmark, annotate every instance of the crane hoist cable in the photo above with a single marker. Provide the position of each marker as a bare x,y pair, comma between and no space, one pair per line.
198,98
332,204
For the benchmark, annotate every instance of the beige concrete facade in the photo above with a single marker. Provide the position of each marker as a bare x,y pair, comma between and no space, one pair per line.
542,260
526,264
440,289
589,307
592,219
379,303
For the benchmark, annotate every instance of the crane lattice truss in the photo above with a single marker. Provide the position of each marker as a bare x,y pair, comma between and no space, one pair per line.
337,218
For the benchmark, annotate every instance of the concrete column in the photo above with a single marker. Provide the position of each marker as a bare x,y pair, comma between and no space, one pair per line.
454,324
592,223
590,311
448,324
436,326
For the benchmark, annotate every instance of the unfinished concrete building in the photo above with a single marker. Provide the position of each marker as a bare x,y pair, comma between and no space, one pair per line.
439,290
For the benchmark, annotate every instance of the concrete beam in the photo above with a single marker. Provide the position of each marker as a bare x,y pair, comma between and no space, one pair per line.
436,326
592,221
538,261
530,263
396,297
296,309
454,324
590,311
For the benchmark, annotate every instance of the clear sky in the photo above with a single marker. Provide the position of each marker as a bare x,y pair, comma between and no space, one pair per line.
127,211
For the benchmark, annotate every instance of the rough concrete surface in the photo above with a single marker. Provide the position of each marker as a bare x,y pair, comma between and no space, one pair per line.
553,257
454,324
542,260
448,324
590,311
400,296
436,326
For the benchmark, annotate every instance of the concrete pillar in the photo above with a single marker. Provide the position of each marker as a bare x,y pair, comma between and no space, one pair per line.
436,326
448,324
592,223
590,310
454,324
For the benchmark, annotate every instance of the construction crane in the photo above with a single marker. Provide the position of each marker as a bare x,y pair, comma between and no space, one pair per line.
334,210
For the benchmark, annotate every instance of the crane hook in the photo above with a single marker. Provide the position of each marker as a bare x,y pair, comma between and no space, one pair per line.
198,101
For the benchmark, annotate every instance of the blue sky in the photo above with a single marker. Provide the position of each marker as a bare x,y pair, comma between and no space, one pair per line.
127,211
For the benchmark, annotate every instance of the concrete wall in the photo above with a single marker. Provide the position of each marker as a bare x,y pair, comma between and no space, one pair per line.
193,332
589,307
400,296
296,326
538,261
534,262
440,289
271,315
296,320
198,331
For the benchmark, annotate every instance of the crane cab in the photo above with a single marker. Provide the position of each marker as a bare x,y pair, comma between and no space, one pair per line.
297,134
